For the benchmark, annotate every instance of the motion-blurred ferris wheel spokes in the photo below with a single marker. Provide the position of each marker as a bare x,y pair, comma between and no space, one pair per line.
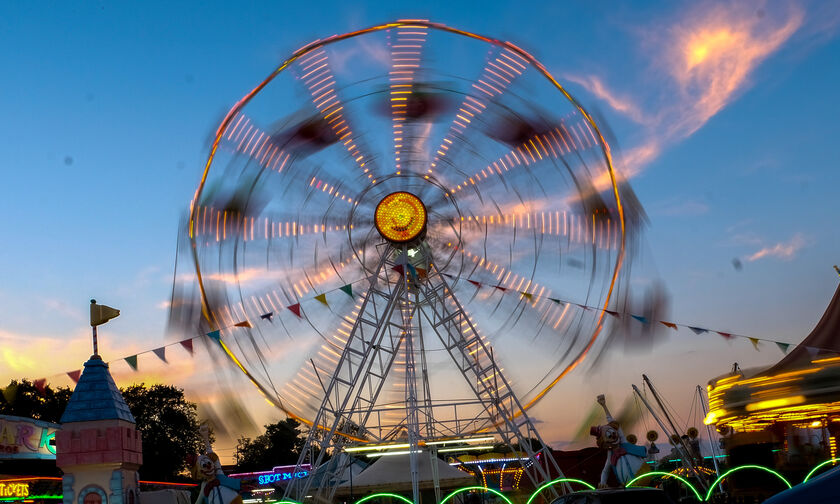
522,210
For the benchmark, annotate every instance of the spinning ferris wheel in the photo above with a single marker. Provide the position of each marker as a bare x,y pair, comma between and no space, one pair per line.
408,233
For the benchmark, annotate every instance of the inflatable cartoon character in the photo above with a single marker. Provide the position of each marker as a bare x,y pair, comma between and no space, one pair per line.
216,488
625,459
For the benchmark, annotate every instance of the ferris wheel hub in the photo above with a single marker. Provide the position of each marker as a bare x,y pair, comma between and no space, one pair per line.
400,218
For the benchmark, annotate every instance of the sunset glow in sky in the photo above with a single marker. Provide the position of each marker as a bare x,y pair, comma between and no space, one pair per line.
724,117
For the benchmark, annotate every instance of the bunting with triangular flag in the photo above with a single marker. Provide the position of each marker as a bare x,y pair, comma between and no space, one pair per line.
754,342
132,361
398,268
347,289
74,375
503,289
267,316
187,343
669,324
477,284
295,308
215,336
613,313
697,330
527,295
556,300
641,319
322,298
724,334
161,353
783,346
244,323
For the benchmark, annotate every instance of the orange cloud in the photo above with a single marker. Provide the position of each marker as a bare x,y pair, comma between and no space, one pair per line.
781,250
712,52
707,56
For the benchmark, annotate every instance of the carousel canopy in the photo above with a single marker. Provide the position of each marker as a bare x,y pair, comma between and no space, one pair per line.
802,387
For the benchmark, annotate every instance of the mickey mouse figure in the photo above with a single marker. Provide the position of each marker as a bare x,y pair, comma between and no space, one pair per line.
216,488
625,459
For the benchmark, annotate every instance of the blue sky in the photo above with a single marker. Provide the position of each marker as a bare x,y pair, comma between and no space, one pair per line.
724,116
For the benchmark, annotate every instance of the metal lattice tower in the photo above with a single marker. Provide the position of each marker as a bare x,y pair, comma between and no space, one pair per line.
408,301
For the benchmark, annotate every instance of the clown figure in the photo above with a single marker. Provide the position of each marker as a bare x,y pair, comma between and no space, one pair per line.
216,488
625,459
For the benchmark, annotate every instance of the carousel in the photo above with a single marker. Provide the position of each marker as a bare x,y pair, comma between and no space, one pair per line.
787,415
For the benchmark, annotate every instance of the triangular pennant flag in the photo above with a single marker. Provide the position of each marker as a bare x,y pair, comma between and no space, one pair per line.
669,324
585,308
754,342
783,346
322,298
724,334
187,343
812,351
421,272
503,289
295,308
556,301
244,323
477,284
527,295
41,385
412,270
641,319
398,268
698,330
347,289
161,353
74,375
215,336
267,316
132,361
613,313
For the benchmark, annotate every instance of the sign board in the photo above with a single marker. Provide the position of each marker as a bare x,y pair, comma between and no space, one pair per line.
277,474
20,490
25,438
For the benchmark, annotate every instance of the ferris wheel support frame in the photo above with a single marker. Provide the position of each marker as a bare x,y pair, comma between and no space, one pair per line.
370,350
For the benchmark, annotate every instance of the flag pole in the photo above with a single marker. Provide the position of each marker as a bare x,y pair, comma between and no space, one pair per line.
95,343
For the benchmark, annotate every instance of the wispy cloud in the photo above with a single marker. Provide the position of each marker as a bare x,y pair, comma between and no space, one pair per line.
622,104
782,250
712,53
701,61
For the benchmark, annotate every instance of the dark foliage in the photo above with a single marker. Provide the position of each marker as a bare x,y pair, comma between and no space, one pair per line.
279,445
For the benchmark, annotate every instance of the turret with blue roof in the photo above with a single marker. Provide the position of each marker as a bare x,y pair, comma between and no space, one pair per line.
98,446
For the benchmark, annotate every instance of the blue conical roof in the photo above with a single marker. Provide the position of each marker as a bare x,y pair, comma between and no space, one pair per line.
96,396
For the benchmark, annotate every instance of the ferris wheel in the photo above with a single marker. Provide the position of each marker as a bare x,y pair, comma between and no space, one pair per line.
408,233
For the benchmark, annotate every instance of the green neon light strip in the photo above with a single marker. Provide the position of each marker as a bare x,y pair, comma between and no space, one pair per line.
480,488
740,468
554,482
30,497
384,494
667,474
819,466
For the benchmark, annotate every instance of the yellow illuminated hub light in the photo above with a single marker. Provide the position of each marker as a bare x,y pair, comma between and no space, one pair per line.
400,217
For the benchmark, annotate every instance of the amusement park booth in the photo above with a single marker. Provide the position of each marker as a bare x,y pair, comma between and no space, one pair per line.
27,448
787,415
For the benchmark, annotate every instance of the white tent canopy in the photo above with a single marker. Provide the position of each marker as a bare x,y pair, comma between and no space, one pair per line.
393,473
